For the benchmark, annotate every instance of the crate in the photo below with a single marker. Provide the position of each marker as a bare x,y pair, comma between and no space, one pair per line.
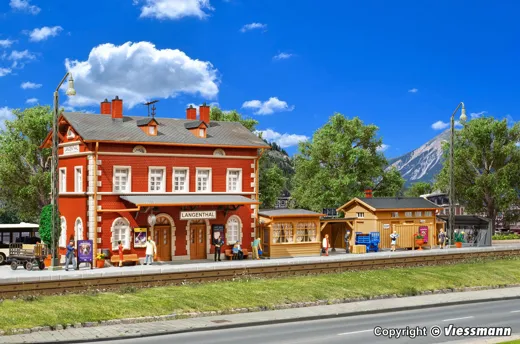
359,249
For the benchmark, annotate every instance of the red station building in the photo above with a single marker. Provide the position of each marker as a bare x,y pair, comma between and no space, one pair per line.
193,174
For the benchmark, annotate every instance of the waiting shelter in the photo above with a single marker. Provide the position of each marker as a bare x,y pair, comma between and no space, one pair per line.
477,229
289,232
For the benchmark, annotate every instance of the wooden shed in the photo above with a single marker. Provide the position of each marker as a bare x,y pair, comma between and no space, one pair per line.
289,232
406,215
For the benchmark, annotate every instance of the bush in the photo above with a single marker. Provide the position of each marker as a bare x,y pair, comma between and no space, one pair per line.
46,225
506,237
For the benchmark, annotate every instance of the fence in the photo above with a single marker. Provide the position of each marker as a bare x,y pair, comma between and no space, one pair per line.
407,233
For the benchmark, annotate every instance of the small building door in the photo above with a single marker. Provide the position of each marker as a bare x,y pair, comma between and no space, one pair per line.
163,243
197,241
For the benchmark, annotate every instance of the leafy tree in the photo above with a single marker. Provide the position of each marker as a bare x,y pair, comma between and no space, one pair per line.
486,167
339,163
8,216
418,189
25,177
217,114
271,186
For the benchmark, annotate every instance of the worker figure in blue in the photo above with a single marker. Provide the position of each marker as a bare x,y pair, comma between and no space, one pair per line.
69,257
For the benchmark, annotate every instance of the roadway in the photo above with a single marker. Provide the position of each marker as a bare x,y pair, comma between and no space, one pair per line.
357,329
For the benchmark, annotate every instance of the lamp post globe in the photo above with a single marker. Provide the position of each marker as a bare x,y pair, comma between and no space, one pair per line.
70,90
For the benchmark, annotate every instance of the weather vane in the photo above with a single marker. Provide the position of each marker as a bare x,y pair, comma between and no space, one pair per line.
153,107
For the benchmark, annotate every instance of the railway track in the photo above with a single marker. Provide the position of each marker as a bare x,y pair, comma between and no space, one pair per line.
177,278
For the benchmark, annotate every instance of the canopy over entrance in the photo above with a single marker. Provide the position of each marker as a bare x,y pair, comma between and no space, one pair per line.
188,200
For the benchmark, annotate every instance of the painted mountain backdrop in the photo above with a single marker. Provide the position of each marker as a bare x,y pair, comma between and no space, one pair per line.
423,163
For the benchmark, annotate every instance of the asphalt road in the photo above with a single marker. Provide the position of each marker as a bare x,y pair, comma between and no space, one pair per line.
358,329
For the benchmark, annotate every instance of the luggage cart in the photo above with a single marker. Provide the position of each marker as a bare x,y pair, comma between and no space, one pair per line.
29,256
371,240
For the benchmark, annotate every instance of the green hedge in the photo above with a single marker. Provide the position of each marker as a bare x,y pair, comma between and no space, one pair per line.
506,237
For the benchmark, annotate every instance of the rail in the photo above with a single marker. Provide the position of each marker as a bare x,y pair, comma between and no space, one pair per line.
177,278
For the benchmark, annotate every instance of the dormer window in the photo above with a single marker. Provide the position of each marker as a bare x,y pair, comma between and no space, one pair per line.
202,132
151,130
148,126
197,128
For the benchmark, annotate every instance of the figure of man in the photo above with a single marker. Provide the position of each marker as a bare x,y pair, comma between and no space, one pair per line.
69,256
347,240
256,248
442,238
218,242
325,245
394,237
151,251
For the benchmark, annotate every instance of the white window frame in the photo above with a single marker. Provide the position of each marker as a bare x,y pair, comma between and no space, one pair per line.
63,232
219,152
202,132
126,241
230,239
408,214
63,179
163,183
360,215
70,133
76,236
418,214
78,185
187,181
395,214
239,181
151,130
129,179
428,213
210,177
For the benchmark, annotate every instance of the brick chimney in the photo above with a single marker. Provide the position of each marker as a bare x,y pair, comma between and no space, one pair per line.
106,107
204,113
117,107
368,193
191,113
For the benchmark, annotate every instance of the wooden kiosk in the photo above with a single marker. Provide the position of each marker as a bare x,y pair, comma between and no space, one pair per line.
289,232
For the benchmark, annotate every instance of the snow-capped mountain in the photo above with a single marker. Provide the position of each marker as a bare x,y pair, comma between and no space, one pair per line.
423,163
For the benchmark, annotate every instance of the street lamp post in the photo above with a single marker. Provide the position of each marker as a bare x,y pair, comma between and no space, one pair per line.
452,173
54,174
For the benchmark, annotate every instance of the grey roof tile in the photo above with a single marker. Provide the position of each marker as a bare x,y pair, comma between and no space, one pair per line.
284,212
188,199
93,127
399,203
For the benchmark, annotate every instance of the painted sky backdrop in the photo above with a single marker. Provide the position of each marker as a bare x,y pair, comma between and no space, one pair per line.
402,65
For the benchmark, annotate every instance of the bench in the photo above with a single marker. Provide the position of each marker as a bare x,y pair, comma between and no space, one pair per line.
127,258
229,253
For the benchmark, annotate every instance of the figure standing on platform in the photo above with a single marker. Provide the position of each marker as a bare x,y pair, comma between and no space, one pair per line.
394,237
256,248
69,257
151,251
442,238
218,242
347,240
120,251
325,246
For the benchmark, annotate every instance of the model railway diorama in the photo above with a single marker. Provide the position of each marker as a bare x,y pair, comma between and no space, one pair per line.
30,256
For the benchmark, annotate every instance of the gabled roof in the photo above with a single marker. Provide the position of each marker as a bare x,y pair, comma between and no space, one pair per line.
93,127
194,124
381,203
287,212
145,121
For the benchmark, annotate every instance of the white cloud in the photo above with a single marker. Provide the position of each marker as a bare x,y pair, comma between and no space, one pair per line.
5,113
32,101
283,140
282,56
4,71
24,6
253,26
174,9
268,107
383,148
139,71
413,90
18,57
30,85
44,33
474,115
6,43
440,125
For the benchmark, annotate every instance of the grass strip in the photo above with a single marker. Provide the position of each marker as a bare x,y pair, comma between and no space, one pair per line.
129,302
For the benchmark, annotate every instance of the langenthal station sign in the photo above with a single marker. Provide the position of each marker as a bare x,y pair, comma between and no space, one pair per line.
198,215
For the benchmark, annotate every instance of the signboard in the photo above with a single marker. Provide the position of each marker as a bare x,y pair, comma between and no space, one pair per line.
386,226
217,231
423,230
85,252
198,215
71,149
140,237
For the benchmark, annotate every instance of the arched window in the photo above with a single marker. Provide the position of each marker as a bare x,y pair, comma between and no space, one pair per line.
233,229
219,152
63,232
121,232
78,229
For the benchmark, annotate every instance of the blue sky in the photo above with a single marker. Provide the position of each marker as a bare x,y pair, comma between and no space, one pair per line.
402,65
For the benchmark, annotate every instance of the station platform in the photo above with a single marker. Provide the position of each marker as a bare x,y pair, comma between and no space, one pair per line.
8,276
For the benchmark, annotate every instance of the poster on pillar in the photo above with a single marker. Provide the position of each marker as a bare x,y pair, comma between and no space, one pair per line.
140,237
423,230
85,251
